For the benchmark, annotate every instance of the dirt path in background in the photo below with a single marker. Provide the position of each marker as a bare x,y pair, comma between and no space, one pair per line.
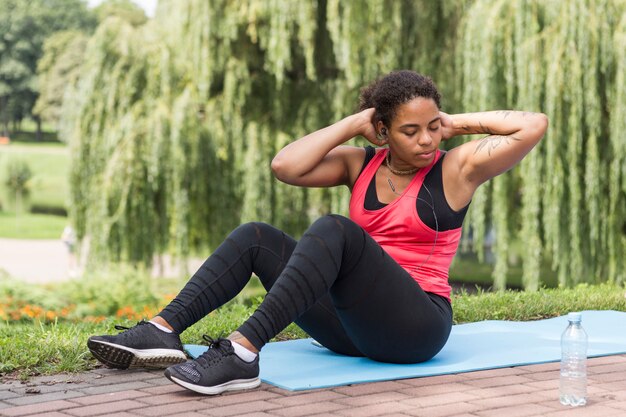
48,260
35,261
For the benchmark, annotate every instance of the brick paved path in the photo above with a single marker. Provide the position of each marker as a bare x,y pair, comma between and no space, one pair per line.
510,392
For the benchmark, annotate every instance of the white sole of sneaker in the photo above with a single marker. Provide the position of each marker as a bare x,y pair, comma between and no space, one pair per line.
124,357
235,385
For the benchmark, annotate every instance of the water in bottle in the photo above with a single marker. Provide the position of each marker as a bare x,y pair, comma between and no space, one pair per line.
573,387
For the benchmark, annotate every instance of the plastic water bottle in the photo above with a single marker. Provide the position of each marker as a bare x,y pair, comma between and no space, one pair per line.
573,387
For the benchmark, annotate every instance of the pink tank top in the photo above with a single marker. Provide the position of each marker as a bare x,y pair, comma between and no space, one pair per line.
423,252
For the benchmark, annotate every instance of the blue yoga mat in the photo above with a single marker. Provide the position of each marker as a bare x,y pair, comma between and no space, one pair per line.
299,365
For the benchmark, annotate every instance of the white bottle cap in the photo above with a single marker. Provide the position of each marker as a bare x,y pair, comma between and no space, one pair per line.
574,316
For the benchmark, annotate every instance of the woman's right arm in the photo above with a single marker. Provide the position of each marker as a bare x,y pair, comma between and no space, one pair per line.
318,160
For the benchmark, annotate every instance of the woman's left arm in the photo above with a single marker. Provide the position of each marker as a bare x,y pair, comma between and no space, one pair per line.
510,136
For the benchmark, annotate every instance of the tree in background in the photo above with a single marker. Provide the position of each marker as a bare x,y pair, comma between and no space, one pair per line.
123,9
63,52
58,70
173,123
24,25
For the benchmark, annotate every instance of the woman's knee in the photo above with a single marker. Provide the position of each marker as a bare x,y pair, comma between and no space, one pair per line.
250,232
334,223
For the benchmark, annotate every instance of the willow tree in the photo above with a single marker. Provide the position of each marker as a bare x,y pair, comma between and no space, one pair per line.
174,123
567,201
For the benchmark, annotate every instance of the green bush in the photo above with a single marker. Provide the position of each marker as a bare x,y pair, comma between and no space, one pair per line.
18,175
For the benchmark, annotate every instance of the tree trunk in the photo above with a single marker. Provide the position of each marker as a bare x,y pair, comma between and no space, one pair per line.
38,135
4,116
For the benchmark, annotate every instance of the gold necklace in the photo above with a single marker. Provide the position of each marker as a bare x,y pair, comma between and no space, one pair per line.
396,171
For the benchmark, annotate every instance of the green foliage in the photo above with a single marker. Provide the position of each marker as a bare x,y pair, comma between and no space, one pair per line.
24,26
536,305
31,226
49,165
18,175
123,9
567,201
104,292
173,123
58,70
36,348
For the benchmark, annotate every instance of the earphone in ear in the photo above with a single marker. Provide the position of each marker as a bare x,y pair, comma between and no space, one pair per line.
383,131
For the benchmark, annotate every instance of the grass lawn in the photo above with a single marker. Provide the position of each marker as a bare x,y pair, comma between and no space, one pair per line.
49,165
31,348
31,226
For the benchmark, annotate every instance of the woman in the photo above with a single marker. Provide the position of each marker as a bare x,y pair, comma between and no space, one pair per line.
375,285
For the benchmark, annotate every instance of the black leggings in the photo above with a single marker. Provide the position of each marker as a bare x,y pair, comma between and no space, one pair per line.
336,283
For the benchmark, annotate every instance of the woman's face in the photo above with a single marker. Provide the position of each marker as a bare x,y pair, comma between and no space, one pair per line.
415,133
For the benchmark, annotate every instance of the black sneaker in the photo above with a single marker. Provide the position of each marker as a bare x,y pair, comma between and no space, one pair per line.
141,346
217,370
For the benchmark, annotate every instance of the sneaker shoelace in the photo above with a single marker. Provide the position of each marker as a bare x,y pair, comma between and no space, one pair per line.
218,348
126,330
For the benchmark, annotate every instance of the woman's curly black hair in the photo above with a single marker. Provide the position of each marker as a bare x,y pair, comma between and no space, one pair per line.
394,89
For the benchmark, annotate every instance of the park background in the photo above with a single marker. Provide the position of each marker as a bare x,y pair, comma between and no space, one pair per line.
152,137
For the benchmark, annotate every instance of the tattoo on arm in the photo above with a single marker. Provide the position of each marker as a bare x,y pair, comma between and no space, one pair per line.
505,113
491,142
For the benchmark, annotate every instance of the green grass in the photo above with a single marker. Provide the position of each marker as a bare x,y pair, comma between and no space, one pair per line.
33,348
49,165
31,226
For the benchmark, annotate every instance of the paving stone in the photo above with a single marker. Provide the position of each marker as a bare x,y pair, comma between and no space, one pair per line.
308,398
364,389
497,380
439,399
519,410
543,376
540,367
258,414
30,388
434,380
176,408
490,373
164,389
506,401
607,359
436,389
7,385
374,410
108,397
122,414
382,397
620,405
608,377
47,407
103,389
125,376
605,368
238,409
309,409
287,393
586,411
444,410
105,408
51,414
552,403
240,397
42,398
172,397
8,394
503,390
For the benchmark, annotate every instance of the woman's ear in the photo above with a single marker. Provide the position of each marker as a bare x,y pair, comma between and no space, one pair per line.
380,128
